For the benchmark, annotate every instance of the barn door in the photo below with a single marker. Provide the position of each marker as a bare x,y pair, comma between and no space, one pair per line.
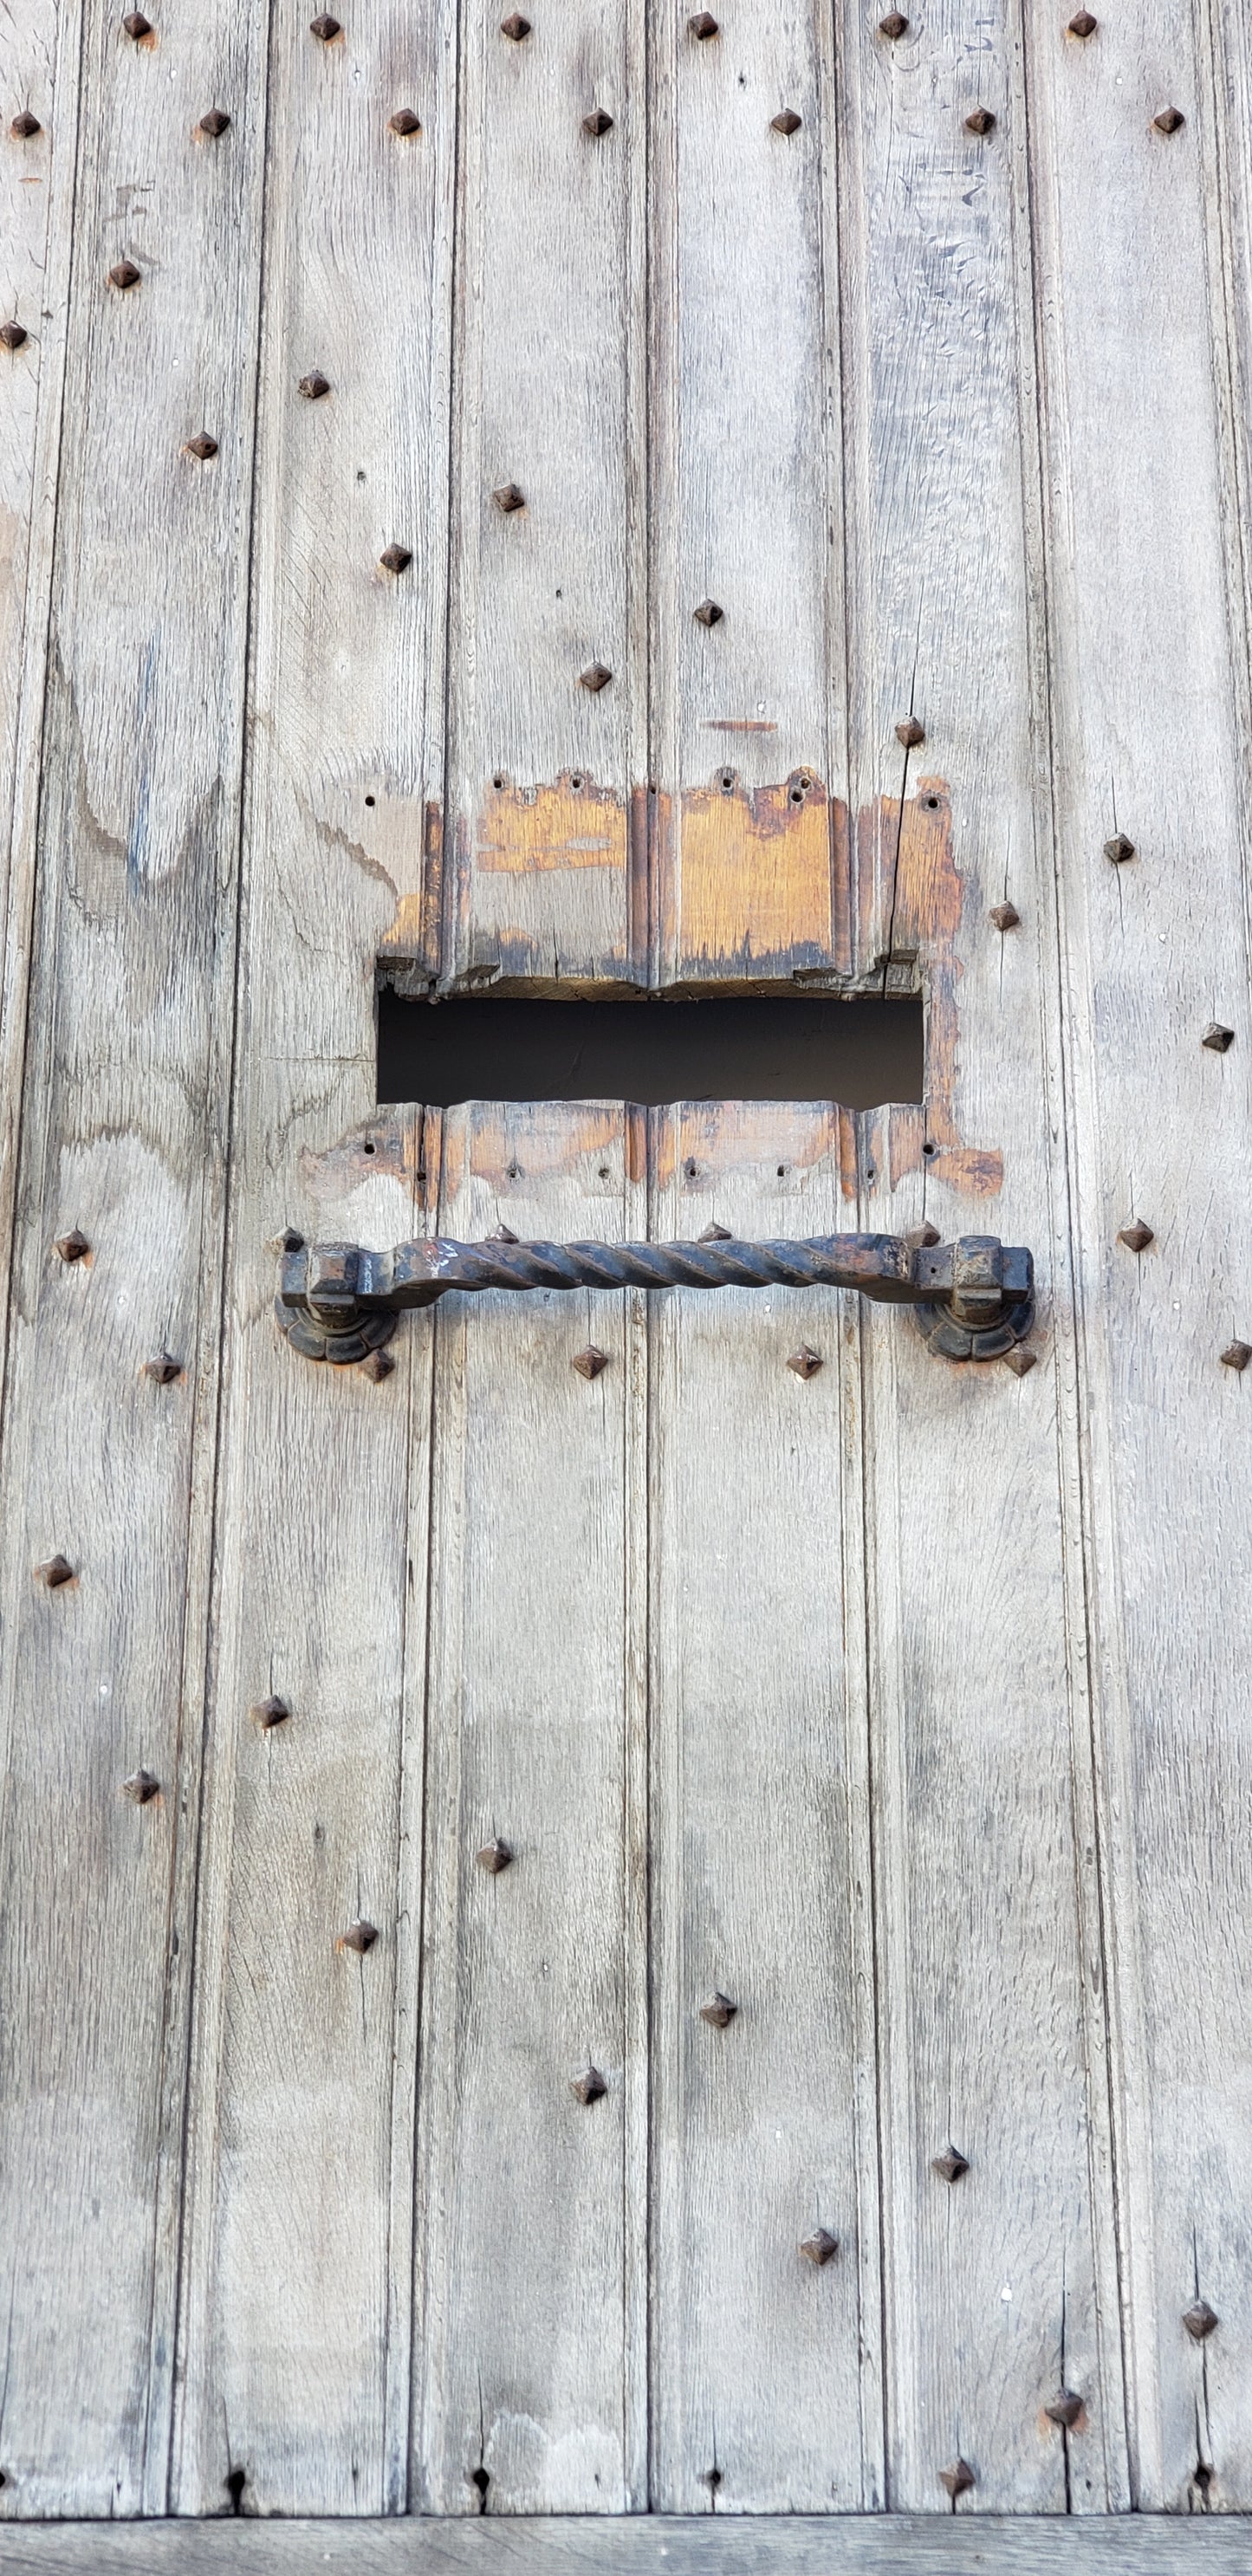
635,1906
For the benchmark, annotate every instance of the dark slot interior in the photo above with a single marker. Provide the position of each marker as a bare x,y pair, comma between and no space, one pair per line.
742,1047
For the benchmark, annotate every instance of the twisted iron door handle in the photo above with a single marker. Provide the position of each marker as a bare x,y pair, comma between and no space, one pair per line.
973,1299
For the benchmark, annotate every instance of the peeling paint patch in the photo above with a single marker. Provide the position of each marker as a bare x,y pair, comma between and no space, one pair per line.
524,831
754,872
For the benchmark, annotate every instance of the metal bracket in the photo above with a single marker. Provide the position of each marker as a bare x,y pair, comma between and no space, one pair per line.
973,1299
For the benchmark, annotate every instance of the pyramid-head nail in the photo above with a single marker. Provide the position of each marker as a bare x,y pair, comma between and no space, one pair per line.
325,28
13,334
1020,1360
1136,1236
1199,2320
25,127
804,1362
715,1234
72,1246
1237,1355
55,1571
786,121
142,1786
894,25
599,122
1083,25
1005,916
1217,1038
396,558
377,1365
214,122
359,1938
718,2012
950,2165
910,731
703,25
708,613
136,25
509,497
589,2086
819,2247
590,1362
202,446
495,1857
957,2478
1168,119
1119,849
269,1713
500,1234
163,1367
596,677
124,275
315,387
516,28
979,121
405,121
1065,2408
921,1238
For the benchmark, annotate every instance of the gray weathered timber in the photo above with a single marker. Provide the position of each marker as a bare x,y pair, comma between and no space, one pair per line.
993,2282
532,2388
544,854
123,1137
295,2325
644,2545
766,2364
1149,743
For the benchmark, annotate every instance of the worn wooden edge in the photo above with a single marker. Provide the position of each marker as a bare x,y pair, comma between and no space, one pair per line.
636,2544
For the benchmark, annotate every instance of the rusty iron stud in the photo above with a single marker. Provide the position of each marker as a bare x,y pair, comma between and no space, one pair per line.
786,121
922,1238
163,1367
703,25
910,731
1083,25
500,1234
819,2247
715,1234
1218,1038
708,613
1005,916
137,25
590,1362
359,1937
1020,1360
1065,2408
214,123
377,1365
202,446
1168,119
495,1857
718,2012
895,24
315,387
515,28
405,121
957,2479
596,677
1119,849
269,1713
590,2086
1136,1236
325,28
72,1246
804,1362
1199,2320
979,121
13,334
123,275
509,497
1237,1355
599,122
54,1571
141,1786
396,558
950,2165
25,126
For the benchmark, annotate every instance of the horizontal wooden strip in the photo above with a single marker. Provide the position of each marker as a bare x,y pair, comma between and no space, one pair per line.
916,2544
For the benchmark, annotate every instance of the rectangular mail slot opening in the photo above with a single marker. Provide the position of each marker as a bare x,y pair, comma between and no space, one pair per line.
859,1052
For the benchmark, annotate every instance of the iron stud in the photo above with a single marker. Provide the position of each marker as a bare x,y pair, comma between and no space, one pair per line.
1020,1360
359,1937
910,731
819,2247
314,387
501,1234
1005,916
137,25
396,558
405,121
515,28
13,334
590,2086
141,1786
703,25
590,1362
55,1571
718,2012
495,1857
1119,849
325,28
214,123
804,1362
715,1234
1168,119
950,2165
980,121
269,1713
786,121
124,275
1218,1038
1199,2320
599,122
1136,1236
509,497
25,126
72,1246
377,1365
163,1367
202,446
708,613
893,25
1065,2408
957,2479
596,677
1083,25
1237,1355
922,1238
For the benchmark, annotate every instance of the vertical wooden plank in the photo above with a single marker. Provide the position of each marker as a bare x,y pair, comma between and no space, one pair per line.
546,864
1000,2283
767,2388
123,1138
751,854
297,2290
1149,692
533,2396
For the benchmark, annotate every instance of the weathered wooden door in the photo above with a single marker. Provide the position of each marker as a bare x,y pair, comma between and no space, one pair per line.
654,501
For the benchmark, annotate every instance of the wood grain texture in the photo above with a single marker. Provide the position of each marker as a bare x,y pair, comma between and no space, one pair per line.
766,2364
1149,629
995,2282
123,1137
295,2331
532,2395
543,839
746,504
643,2545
